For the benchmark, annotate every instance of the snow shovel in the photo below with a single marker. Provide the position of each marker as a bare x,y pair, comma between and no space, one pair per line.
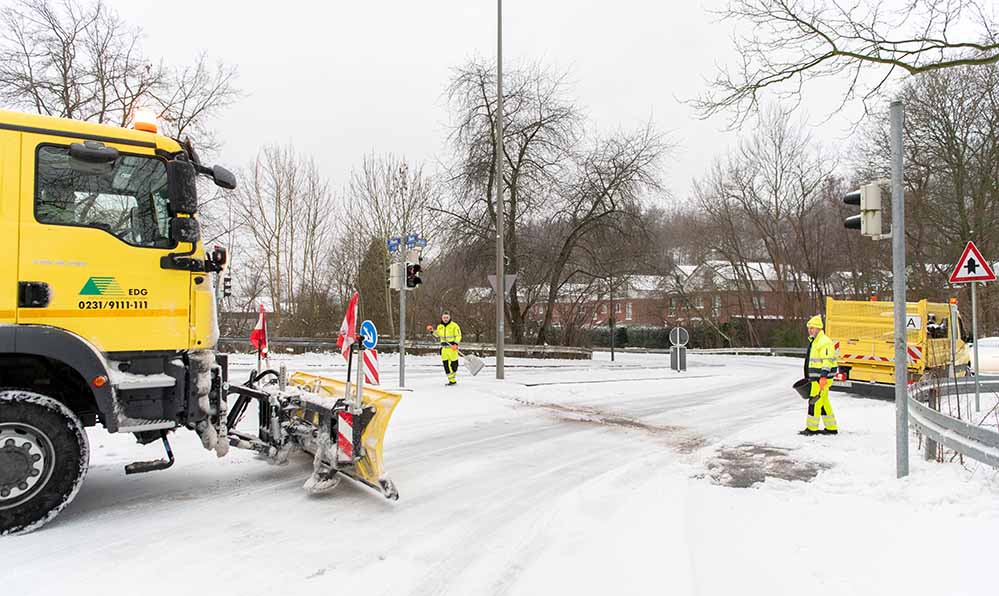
804,388
473,362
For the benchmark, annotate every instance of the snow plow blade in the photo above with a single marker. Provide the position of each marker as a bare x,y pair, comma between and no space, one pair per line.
367,465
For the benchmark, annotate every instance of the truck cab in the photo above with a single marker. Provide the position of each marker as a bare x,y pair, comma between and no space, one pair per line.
109,315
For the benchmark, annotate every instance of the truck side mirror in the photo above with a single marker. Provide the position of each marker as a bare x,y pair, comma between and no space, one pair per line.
181,177
184,229
223,178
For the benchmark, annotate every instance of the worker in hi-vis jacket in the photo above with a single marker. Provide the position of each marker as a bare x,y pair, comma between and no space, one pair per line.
820,368
449,334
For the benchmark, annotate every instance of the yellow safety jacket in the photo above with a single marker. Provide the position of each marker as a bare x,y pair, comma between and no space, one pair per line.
449,333
820,361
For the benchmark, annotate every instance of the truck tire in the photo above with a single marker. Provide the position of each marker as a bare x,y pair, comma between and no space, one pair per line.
44,456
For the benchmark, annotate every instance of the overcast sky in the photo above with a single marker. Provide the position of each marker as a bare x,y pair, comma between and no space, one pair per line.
341,79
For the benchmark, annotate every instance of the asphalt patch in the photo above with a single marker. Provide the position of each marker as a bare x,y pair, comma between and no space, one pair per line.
749,464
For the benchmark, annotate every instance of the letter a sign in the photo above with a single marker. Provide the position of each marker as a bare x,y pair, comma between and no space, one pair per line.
972,267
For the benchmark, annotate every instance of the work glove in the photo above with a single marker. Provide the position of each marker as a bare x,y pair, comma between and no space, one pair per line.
444,344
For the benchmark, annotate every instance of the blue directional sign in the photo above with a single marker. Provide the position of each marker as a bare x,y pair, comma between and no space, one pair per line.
421,242
370,335
393,244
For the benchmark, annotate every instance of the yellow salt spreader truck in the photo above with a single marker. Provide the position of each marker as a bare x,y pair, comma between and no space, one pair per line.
109,318
863,333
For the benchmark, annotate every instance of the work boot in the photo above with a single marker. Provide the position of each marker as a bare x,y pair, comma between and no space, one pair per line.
827,431
809,432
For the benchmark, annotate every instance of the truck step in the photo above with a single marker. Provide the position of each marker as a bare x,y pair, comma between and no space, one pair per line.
126,382
141,467
135,425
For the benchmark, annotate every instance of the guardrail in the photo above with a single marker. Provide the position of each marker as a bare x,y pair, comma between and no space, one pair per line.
976,442
729,351
390,345
752,351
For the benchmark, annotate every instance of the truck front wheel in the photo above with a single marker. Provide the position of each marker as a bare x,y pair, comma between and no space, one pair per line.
44,456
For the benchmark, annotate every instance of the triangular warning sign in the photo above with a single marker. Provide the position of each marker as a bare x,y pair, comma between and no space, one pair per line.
972,266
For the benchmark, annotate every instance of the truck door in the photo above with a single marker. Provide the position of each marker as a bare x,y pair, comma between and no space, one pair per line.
9,201
91,240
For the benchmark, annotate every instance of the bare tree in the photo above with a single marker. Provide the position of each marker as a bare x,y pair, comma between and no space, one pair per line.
82,61
386,196
607,186
540,128
764,203
188,97
286,212
782,44
952,164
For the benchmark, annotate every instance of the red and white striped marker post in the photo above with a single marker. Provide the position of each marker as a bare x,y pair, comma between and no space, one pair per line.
371,375
345,437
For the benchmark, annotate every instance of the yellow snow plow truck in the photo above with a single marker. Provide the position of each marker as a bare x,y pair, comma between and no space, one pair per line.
863,333
109,317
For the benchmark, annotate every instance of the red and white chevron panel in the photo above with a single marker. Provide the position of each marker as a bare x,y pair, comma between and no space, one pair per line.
345,437
913,354
371,376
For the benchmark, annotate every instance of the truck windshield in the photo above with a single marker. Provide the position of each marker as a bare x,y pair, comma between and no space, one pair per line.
129,198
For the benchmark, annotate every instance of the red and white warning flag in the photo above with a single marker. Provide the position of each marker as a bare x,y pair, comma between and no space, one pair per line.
371,367
258,337
348,329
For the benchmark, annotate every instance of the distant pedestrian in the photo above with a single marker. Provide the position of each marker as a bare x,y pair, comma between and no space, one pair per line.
820,367
449,334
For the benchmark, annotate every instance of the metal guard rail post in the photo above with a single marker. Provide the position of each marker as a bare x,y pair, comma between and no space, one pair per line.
973,441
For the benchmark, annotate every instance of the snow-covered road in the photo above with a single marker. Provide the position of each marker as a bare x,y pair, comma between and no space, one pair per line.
570,477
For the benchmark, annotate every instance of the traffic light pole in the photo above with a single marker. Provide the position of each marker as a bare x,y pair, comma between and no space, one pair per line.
402,318
898,294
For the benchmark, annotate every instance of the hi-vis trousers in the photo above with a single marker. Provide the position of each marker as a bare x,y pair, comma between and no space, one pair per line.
819,405
449,356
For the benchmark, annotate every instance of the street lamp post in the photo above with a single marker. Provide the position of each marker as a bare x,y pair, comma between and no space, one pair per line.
500,273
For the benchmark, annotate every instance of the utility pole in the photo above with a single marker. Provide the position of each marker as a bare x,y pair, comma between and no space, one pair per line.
500,265
898,293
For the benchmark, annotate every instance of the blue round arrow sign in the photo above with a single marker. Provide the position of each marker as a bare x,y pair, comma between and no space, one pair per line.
370,335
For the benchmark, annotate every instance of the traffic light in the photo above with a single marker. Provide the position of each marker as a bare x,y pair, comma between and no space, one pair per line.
395,275
226,286
868,197
413,275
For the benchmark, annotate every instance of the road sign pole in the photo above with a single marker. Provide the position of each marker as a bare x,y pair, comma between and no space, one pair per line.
898,294
402,316
974,338
972,268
